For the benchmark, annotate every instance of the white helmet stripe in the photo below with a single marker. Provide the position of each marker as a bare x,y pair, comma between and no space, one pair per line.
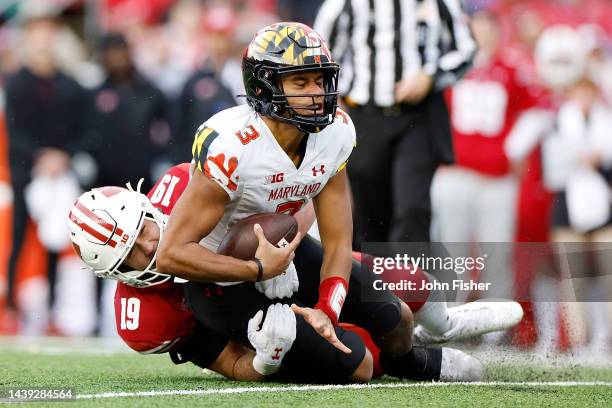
91,231
103,223
93,228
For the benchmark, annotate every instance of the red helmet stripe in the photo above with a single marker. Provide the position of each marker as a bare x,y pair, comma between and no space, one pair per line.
110,191
91,231
104,224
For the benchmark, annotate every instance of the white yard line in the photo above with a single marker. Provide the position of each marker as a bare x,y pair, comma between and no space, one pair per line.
309,388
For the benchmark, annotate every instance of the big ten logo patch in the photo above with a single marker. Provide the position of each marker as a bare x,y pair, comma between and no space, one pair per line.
274,178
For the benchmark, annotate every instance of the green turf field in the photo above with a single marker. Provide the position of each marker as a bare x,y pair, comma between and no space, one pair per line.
99,373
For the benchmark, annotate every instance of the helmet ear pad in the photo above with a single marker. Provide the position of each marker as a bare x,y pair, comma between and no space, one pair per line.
266,86
262,86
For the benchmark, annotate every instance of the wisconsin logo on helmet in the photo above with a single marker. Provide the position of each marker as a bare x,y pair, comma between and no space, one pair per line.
100,227
281,49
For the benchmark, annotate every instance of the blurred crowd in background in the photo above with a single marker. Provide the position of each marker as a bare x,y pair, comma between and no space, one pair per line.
113,90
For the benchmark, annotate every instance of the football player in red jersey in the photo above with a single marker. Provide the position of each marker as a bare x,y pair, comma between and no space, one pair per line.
116,232
475,199
144,295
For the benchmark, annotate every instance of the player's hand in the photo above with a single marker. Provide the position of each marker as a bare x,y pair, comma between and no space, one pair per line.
322,325
274,260
281,286
414,89
274,339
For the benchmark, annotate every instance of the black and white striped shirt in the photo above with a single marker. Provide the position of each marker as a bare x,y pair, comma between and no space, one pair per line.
380,42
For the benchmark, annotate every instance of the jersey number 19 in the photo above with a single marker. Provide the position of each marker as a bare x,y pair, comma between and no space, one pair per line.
130,313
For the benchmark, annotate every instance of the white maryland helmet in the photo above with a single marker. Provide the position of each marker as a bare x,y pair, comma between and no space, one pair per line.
560,56
104,224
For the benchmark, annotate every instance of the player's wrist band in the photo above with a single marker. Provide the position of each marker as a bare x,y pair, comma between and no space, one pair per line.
332,292
259,269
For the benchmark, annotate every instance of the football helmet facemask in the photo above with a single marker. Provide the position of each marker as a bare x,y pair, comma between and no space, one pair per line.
104,224
285,48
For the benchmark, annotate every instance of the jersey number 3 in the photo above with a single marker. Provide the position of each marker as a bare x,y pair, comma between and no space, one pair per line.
130,313
247,135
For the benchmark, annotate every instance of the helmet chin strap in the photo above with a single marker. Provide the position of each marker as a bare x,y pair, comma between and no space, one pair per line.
154,215
306,123
307,127
311,128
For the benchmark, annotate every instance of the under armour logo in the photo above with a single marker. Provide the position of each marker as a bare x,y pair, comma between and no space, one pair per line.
315,172
277,355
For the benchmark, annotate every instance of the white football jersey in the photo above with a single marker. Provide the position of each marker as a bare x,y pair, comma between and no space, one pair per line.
236,149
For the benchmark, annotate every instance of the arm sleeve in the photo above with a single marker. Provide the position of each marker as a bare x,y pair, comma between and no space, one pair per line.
528,130
457,52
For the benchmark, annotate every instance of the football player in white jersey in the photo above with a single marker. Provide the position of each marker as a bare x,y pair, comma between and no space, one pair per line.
288,146
133,263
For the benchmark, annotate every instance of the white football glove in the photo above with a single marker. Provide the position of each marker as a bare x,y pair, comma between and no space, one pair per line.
274,339
281,286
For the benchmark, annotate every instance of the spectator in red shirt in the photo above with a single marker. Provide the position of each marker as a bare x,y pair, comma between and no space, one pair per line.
475,199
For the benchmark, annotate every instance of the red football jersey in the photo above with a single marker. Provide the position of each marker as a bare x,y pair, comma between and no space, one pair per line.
166,192
552,12
483,109
535,201
156,319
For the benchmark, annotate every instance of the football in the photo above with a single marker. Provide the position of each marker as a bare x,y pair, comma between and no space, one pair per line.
241,242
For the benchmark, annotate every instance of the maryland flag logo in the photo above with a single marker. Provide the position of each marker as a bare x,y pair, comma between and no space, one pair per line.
289,44
217,167
203,139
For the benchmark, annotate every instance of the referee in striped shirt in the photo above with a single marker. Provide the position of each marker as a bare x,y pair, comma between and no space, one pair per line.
397,56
